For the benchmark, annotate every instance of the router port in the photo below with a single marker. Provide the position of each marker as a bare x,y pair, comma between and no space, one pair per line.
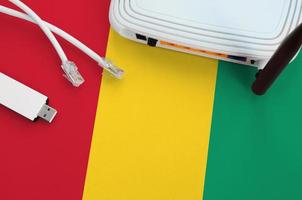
152,42
141,37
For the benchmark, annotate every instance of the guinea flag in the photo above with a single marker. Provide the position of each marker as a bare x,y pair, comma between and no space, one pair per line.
176,127
180,127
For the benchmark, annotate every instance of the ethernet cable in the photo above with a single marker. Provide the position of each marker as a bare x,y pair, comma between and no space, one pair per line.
103,62
70,69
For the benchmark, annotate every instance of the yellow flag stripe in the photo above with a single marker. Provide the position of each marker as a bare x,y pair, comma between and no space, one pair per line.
152,128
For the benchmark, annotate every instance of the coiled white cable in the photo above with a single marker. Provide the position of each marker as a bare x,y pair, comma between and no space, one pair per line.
107,65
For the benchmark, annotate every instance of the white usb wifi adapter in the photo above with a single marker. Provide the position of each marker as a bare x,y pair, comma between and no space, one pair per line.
24,100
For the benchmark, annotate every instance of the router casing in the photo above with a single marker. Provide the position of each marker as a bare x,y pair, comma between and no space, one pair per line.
245,32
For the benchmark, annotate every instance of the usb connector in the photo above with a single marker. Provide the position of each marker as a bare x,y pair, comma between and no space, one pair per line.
24,100
47,113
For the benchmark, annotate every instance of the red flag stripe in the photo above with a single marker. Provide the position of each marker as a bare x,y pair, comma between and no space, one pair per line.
38,160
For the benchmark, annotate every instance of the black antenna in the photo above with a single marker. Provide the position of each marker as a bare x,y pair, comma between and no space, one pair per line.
282,57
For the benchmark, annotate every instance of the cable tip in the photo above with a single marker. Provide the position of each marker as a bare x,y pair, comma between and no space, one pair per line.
112,69
72,74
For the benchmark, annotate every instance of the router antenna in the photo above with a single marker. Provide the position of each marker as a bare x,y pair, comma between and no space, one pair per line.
282,57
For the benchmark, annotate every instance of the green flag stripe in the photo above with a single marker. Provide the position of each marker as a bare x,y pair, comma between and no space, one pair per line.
256,142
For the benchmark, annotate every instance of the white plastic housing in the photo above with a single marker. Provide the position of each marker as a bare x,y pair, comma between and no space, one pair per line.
20,98
251,29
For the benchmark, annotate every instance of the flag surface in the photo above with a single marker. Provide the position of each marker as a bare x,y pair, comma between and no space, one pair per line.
177,126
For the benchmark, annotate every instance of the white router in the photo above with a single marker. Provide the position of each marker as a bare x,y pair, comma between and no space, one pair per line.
262,33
